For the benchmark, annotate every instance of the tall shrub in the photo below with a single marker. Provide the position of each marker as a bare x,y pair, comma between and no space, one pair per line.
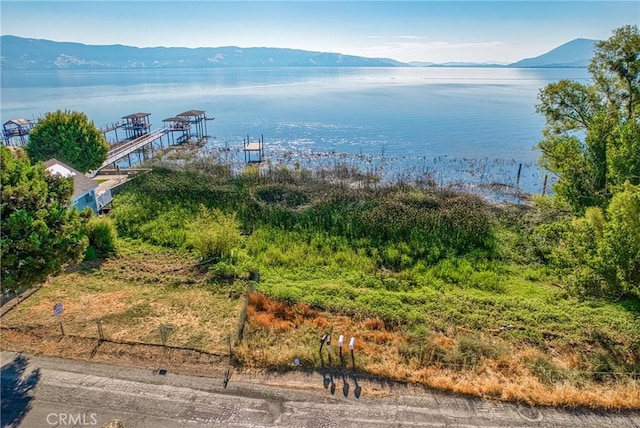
102,235
213,234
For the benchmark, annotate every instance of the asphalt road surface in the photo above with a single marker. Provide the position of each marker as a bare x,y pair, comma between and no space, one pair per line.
47,392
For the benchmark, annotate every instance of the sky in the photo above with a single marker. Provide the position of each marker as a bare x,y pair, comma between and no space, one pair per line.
429,31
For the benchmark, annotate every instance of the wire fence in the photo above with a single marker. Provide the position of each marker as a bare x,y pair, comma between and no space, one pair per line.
57,332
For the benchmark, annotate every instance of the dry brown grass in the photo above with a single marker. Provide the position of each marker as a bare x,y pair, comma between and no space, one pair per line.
374,324
139,355
133,295
136,292
504,376
277,316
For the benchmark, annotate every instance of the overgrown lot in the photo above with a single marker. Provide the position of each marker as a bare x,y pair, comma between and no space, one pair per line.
437,288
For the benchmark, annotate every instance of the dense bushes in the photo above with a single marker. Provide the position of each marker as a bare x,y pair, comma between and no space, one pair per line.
598,254
290,218
397,226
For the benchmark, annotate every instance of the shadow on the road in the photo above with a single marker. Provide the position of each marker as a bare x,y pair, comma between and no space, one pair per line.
227,378
16,391
337,372
345,386
94,351
358,389
326,380
328,375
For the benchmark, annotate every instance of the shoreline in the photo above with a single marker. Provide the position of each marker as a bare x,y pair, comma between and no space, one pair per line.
495,180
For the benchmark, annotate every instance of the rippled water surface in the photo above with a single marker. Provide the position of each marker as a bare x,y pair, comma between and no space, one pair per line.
478,121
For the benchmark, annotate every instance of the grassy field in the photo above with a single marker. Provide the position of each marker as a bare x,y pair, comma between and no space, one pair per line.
133,294
517,336
438,288
526,343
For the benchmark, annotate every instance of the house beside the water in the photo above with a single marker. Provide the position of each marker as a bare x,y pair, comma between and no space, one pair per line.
85,193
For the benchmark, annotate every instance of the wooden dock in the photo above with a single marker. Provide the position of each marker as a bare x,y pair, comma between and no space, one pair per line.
17,129
140,135
189,125
253,147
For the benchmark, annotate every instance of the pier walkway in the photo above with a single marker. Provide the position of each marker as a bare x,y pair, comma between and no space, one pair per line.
131,146
189,125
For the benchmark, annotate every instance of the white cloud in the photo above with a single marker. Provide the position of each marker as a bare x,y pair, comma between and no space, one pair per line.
409,37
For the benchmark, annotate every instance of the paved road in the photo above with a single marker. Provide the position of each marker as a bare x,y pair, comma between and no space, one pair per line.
44,391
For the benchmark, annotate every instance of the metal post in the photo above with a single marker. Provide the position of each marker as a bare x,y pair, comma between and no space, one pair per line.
163,335
352,346
61,328
100,332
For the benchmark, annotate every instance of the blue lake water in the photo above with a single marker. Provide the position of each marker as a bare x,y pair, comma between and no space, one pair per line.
456,124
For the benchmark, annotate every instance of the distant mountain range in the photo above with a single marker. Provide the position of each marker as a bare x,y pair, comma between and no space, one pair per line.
18,53
30,54
576,53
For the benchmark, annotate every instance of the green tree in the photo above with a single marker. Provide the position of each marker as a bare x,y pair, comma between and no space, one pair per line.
619,245
39,233
591,137
69,137
598,255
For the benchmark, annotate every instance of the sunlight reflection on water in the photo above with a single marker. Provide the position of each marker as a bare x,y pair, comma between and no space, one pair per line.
482,121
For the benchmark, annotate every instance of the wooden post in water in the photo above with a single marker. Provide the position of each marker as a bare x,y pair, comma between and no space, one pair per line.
518,178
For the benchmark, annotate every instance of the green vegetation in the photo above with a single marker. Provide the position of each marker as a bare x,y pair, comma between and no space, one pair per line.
592,143
396,227
417,259
102,235
427,278
39,234
592,137
213,235
69,137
